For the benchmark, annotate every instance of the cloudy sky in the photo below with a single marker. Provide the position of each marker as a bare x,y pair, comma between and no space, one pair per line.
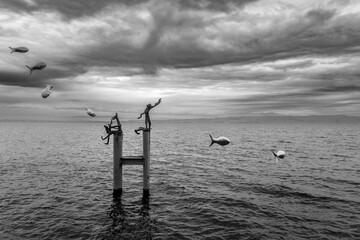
204,58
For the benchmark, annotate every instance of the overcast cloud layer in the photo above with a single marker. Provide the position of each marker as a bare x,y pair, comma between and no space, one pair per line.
206,58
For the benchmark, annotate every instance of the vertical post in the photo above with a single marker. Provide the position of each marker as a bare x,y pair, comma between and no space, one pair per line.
146,166
117,185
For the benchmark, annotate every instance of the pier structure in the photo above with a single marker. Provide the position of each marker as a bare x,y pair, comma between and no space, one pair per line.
119,160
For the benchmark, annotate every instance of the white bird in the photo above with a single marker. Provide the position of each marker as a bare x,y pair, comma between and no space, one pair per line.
220,140
46,91
19,49
90,112
279,154
38,66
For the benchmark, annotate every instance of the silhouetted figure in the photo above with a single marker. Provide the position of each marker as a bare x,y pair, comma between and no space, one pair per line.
108,131
109,127
118,126
147,115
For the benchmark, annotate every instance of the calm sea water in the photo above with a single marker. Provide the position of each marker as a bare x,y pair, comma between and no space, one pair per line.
56,182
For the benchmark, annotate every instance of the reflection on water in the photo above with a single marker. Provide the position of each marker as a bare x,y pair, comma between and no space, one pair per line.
129,220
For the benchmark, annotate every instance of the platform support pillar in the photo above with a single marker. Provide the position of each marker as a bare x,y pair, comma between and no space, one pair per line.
117,172
146,166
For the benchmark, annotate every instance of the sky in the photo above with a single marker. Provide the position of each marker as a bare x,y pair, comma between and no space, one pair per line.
204,58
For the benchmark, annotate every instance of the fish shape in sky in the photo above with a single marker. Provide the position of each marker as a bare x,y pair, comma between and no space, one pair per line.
220,140
279,154
46,91
90,112
19,49
38,66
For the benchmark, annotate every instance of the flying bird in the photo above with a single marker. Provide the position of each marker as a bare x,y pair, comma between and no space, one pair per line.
279,154
38,66
46,91
90,112
220,140
19,49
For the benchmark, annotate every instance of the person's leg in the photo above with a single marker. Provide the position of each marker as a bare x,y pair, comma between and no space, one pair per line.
149,122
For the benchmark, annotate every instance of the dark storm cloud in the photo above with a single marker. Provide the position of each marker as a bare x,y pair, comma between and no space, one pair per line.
308,35
117,54
335,38
217,5
263,56
186,50
320,15
22,79
79,8
38,78
153,53
344,89
68,8
335,80
306,38
289,65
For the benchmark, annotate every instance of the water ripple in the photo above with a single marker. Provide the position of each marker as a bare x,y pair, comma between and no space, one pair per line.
59,185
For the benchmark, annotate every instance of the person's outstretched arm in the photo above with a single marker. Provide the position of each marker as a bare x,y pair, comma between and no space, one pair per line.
140,116
158,102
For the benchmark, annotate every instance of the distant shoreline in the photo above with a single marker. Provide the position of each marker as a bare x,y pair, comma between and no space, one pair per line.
243,119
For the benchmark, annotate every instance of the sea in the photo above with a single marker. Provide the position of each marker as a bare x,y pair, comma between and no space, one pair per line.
57,180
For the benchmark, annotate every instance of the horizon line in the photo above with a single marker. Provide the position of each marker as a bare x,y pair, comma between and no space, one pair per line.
179,119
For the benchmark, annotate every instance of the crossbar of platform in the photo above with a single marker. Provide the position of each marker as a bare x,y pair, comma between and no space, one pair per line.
132,160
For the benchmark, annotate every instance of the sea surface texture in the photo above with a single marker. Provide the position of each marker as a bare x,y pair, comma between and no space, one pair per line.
56,181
